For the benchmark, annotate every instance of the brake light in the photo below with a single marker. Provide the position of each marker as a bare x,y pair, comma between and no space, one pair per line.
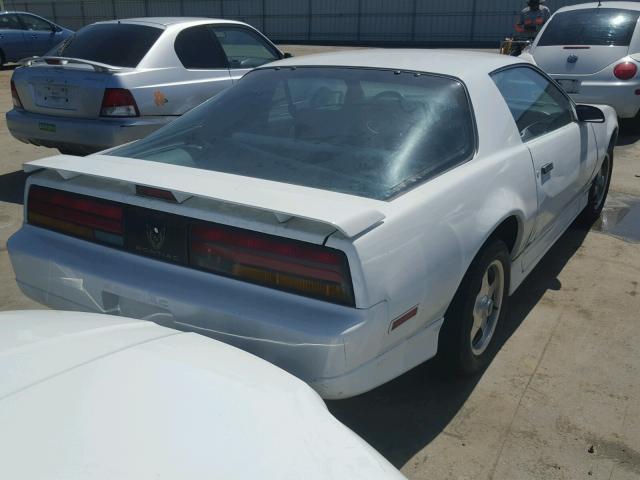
290,265
76,215
118,102
14,95
625,71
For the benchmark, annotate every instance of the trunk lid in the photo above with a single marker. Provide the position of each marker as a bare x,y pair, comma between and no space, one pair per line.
348,214
577,60
72,90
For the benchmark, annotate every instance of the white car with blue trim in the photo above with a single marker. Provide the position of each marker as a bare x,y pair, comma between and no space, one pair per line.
346,216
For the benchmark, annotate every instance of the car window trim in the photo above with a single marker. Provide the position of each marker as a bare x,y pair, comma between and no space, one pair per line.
572,104
474,125
234,26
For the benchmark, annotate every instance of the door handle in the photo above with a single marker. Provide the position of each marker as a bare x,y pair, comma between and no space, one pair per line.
33,35
546,169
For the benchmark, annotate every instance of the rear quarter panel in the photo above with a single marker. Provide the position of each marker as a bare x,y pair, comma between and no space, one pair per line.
162,86
421,252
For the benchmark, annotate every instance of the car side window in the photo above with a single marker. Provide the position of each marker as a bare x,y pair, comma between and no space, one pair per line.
244,48
34,23
9,22
197,49
537,105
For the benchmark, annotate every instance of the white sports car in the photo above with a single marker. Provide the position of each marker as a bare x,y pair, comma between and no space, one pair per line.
86,396
345,216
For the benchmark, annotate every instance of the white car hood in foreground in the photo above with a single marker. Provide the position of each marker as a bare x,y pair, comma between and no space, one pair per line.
86,396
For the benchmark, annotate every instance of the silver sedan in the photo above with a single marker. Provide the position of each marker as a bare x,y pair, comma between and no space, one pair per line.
117,81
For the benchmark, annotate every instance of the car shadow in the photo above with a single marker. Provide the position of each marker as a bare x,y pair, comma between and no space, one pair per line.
403,416
629,132
12,187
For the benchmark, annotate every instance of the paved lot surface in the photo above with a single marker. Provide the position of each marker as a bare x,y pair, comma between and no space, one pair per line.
561,400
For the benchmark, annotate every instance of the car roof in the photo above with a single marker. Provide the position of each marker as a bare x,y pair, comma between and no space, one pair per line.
457,63
167,21
622,5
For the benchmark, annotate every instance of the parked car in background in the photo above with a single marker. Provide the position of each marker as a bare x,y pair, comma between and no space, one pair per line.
593,51
346,215
24,34
117,81
93,396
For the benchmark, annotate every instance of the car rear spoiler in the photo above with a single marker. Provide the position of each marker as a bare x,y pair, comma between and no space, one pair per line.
62,61
349,214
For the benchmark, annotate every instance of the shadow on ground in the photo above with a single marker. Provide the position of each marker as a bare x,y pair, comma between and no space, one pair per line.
12,187
629,131
400,418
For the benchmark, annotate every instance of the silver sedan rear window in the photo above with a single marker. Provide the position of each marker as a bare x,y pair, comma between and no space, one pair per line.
117,44
367,132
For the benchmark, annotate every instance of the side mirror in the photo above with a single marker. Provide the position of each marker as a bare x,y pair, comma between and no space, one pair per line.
287,55
589,113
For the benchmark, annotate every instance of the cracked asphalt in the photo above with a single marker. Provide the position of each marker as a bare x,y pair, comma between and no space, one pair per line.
560,400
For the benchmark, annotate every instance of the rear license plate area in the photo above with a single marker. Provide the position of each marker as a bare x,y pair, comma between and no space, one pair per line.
54,96
158,235
569,86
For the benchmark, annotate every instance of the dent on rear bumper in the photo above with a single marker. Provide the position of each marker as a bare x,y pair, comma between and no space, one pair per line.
91,134
338,350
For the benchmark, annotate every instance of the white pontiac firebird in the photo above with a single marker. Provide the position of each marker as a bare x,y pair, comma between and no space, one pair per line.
346,216
86,396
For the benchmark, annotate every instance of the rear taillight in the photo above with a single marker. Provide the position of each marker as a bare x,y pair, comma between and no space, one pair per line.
14,95
118,102
76,215
625,71
290,265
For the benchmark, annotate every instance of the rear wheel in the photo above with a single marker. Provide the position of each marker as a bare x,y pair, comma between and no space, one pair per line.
599,190
466,340
3,59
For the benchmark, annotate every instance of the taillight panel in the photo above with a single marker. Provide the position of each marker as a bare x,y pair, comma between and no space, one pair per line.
118,102
268,260
625,70
285,264
17,103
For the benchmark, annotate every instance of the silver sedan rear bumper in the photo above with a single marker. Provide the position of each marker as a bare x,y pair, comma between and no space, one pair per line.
84,135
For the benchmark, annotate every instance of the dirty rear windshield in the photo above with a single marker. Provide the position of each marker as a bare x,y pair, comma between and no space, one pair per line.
117,44
591,26
365,132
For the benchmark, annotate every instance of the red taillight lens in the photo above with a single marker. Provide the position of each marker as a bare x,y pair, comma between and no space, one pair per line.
625,71
76,215
14,95
118,102
290,265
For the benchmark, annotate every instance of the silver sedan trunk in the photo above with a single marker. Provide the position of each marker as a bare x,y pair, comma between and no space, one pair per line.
117,81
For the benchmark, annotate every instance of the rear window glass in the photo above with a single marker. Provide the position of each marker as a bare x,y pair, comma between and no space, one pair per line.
117,44
590,26
365,132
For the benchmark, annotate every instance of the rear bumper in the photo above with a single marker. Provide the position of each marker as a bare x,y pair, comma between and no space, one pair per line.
340,351
621,95
80,134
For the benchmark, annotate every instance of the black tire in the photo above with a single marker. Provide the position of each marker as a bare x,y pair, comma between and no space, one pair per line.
3,60
456,352
598,191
